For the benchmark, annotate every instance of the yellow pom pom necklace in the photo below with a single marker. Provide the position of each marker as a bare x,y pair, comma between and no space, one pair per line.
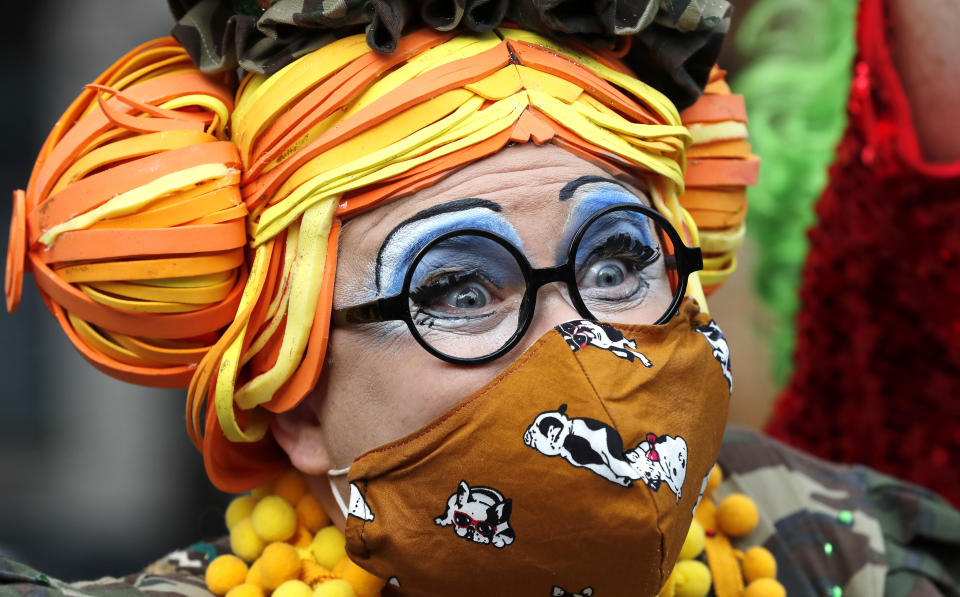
726,569
292,548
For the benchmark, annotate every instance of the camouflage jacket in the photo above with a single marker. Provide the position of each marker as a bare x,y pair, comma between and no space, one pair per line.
885,537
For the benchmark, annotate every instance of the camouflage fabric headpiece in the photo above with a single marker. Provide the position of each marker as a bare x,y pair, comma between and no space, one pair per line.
675,42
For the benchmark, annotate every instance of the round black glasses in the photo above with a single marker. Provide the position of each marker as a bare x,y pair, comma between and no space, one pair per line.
469,295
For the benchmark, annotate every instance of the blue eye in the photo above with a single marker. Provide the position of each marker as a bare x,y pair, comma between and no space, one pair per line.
606,273
467,296
612,265
464,277
453,293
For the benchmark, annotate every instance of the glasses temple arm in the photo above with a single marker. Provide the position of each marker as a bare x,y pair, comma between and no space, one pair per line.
693,257
382,309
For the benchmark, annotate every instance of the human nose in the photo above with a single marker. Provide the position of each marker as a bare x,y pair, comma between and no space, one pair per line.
553,307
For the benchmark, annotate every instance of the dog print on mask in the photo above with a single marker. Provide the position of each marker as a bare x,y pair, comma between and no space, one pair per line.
595,445
561,592
721,350
582,442
703,488
479,514
358,505
582,332
659,460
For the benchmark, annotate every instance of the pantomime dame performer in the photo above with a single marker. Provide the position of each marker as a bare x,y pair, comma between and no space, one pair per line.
434,277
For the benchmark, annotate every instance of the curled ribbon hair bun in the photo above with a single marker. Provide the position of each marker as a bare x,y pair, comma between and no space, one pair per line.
174,257
132,223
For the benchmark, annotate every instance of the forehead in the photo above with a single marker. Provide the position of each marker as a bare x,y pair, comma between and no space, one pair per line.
525,181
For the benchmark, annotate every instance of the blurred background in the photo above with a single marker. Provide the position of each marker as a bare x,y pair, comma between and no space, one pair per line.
98,477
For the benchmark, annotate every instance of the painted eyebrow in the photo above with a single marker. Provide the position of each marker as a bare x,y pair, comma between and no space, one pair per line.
430,212
571,187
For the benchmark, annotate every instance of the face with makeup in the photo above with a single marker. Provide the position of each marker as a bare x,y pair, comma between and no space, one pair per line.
378,383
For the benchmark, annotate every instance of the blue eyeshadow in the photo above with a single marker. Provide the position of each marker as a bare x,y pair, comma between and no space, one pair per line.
407,242
592,202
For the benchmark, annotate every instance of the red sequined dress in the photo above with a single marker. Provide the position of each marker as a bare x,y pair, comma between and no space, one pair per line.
877,377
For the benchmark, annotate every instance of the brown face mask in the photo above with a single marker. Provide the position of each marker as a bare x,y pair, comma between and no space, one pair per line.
578,467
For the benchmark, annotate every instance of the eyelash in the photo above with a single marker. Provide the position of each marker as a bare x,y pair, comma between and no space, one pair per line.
443,284
621,244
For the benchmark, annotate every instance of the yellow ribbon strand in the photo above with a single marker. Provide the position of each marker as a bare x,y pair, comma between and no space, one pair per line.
491,121
134,199
306,277
230,361
660,103
278,306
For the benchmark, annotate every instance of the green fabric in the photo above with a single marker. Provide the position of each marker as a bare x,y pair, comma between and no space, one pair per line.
910,517
796,86
888,537
675,42
178,573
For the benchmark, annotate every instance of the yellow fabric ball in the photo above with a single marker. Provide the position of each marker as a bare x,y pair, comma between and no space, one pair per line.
716,478
278,564
239,508
311,514
692,579
334,588
253,575
765,587
737,515
290,486
302,539
244,541
329,546
362,581
758,562
224,573
693,544
274,519
245,590
313,573
293,588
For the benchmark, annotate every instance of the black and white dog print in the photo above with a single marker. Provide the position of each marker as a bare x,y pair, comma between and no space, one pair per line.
358,506
721,350
595,445
479,514
582,332
582,442
561,592
661,459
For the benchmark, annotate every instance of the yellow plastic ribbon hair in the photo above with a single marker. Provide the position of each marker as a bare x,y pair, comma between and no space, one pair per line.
307,145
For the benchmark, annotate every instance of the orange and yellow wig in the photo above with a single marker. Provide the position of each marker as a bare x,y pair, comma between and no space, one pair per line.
175,253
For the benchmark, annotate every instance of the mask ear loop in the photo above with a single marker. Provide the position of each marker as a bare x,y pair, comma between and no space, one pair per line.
338,472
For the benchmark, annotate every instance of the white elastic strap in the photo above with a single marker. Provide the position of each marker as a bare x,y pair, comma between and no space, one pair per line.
336,496
337,472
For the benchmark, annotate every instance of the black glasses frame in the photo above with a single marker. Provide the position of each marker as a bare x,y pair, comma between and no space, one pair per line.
397,307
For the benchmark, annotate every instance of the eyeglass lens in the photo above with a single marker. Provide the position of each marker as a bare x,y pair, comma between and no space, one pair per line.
621,269
465,296
466,292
